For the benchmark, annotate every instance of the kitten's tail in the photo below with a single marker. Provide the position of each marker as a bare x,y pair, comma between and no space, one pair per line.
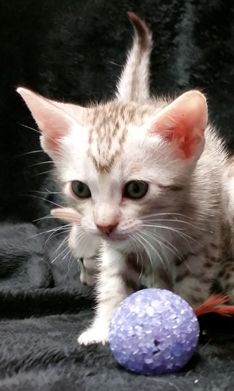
134,81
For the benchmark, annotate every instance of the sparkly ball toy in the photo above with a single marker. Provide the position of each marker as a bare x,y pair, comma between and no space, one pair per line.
153,331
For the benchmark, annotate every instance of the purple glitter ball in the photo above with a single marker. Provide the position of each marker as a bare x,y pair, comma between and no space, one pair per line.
153,331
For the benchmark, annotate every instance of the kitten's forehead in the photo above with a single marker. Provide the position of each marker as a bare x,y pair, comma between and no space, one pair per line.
108,129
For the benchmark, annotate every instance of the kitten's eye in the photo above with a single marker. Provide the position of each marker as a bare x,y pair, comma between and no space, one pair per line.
80,189
135,189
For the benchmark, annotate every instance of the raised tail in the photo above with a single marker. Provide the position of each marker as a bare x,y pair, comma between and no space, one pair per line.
134,81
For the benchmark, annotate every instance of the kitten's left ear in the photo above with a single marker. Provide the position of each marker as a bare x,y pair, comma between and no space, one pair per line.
52,118
183,122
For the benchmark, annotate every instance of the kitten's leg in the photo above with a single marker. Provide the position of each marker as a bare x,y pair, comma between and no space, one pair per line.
194,277
118,279
86,249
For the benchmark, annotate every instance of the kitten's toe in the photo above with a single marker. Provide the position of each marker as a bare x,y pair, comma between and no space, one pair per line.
94,334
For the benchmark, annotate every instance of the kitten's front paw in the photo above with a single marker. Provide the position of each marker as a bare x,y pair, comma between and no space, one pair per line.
95,334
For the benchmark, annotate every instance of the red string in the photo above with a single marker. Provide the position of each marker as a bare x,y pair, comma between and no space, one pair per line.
215,304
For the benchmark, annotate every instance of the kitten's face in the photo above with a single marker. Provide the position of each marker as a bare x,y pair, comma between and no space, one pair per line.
117,188
119,163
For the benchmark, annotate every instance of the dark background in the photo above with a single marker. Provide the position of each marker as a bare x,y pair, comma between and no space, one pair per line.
74,50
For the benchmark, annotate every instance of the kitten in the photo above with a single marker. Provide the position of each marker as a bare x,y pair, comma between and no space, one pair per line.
151,183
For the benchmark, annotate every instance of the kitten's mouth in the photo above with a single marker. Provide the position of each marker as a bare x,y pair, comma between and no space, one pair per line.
113,237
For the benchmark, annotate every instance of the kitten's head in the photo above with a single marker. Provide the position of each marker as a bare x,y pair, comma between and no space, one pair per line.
120,162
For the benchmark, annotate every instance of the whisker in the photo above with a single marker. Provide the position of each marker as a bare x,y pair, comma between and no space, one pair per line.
46,192
42,173
174,250
82,239
41,198
62,252
182,234
43,218
29,127
56,234
177,221
30,153
61,228
159,239
166,214
135,248
159,226
155,250
40,163
135,245
39,132
114,63
61,244
70,263
138,237
69,251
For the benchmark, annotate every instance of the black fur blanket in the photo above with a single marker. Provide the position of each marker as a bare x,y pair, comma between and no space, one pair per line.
73,50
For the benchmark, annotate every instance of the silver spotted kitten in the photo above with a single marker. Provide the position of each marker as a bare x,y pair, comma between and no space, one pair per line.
149,189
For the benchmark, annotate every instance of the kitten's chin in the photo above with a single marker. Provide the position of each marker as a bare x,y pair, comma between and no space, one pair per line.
115,239
122,244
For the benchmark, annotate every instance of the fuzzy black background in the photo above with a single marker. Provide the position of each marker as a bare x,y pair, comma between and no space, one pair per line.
74,50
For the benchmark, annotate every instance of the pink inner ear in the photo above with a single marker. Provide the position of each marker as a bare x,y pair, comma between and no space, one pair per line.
181,132
54,125
184,121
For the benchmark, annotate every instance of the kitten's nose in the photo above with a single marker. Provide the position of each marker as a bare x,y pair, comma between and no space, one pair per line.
107,229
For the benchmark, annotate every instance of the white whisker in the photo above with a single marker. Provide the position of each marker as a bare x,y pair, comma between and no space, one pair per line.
139,238
61,244
145,250
44,218
39,132
82,239
60,254
167,214
61,228
42,173
41,198
135,245
29,127
155,250
182,234
160,240
70,263
159,226
30,153
46,192
175,221
56,233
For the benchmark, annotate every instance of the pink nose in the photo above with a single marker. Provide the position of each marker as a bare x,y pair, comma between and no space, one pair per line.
107,229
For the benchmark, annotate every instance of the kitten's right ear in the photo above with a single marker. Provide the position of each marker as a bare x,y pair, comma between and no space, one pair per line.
51,119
